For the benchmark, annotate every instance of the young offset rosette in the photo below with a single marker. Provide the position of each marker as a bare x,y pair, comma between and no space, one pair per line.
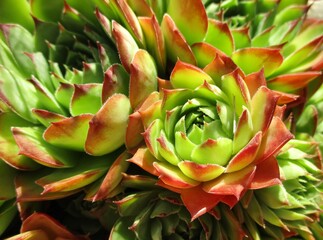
210,142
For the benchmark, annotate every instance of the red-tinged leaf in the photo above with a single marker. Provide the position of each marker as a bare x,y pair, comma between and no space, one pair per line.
143,78
31,144
64,94
301,58
70,179
213,151
267,58
199,202
231,221
246,155
150,136
176,45
285,98
116,80
128,18
201,172
241,37
280,111
173,177
108,127
52,228
28,191
127,46
219,36
219,66
243,132
69,133
185,75
151,99
113,178
237,91
167,150
205,53
164,84
234,183
151,113
154,41
274,139
263,106
192,12
9,150
134,130
293,81
265,177
105,22
144,159
46,117
141,8
255,81
86,98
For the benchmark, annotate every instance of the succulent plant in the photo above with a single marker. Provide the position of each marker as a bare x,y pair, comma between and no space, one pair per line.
153,113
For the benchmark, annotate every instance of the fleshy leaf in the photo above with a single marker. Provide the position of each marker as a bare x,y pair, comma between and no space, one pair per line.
265,178
144,159
32,144
9,150
192,12
246,155
276,136
86,98
293,81
116,80
127,46
219,36
173,177
255,81
200,172
241,37
183,146
143,77
237,91
108,127
176,45
167,150
113,177
263,105
188,76
154,40
213,151
52,229
69,133
205,53
243,132
219,66
197,206
70,179
268,58
46,117
231,183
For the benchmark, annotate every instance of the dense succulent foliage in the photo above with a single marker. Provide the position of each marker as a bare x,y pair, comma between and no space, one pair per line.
160,119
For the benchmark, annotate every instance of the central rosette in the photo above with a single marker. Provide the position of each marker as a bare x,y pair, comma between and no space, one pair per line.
211,132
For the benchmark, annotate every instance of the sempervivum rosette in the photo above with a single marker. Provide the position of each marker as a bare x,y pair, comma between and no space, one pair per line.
211,140
51,115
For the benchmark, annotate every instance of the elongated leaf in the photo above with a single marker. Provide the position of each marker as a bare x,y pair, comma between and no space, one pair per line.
108,126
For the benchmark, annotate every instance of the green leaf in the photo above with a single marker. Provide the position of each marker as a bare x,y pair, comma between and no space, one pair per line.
16,11
86,99
31,143
69,133
219,36
47,11
109,125
9,150
192,12
268,58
